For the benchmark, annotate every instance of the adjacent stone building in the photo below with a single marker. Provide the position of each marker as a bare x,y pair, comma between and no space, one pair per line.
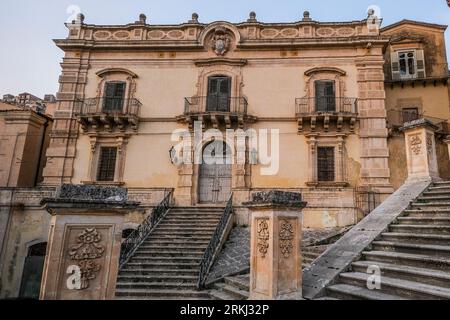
337,92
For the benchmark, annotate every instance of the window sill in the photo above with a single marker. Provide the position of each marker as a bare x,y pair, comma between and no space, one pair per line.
327,184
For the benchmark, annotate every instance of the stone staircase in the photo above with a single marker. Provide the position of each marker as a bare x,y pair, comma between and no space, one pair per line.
166,265
413,255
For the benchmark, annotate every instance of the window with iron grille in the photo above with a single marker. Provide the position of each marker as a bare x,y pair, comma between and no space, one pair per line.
410,114
325,164
107,164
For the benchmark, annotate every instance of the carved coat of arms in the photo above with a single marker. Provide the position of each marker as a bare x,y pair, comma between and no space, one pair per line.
220,43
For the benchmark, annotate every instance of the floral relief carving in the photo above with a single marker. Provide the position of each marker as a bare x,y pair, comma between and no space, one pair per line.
286,237
263,236
84,252
415,144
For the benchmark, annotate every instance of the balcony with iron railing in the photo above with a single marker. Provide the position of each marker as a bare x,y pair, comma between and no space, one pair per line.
216,111
108,113
327,112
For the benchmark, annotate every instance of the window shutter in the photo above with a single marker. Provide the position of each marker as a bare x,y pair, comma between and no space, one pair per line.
420,58
395,66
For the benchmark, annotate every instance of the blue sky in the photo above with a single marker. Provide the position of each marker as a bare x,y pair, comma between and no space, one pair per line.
29,61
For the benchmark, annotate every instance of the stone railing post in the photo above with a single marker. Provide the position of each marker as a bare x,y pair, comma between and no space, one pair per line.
84,243
276,233
421,149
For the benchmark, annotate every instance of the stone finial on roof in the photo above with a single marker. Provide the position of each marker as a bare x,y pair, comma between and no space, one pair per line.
252,17
142,18
80,18
194,18
306,16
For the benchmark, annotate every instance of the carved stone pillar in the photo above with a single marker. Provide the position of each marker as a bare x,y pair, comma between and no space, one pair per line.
447,141
421,149
276,232
84,242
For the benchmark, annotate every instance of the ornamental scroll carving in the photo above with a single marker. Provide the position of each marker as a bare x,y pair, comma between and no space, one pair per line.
85,252
286,237
220,43
263,236
415,144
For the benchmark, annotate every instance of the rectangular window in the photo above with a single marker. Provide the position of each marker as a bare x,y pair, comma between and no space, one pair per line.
325,96
410,114
114,96
107,164
325,164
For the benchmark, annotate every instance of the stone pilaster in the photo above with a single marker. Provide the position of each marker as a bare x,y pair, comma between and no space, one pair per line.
275,254
63,138
372,120
421,149
84,242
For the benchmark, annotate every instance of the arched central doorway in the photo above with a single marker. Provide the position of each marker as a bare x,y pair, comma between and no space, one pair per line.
215,173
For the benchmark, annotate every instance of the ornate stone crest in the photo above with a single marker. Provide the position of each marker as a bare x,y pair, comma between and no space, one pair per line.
286,236
263,236
220,43
415,144
87,249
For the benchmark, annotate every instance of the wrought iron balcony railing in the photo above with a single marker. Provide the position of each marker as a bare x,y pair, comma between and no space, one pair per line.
110,106
215,104
326,105
108,113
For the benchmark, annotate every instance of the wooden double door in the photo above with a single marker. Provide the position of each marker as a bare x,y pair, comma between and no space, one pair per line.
215,176
219,94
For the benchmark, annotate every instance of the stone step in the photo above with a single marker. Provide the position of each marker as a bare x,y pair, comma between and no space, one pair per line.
441,183
236,292
437,192
351,292
315,249
240,283
433,197
159,272
221,295
414,248
132,265
163,253
188,259
139,293
326,298
424,229
157,285
198,209
424,221
171,237
182,222
174,246
182,233
427,276
193,217
157,278
436,239
444,213
309,255
429,205
403,288
413,260
192,229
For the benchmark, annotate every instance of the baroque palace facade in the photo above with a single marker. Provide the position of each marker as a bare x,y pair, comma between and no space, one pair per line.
338,92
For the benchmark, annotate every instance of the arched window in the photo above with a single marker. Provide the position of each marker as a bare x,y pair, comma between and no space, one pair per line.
32,271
